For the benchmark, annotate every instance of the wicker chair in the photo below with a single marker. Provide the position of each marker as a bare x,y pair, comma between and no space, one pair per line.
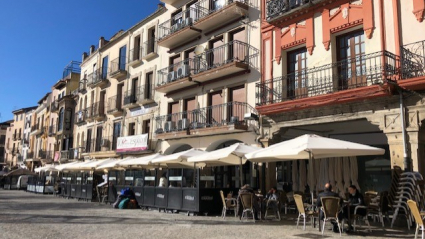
301,210
417,215
269,206
247,200
330,207
228,204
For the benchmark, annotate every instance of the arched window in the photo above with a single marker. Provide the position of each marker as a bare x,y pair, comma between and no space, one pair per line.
61,116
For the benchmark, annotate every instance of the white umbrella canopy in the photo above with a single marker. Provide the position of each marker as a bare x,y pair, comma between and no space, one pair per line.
179,160
232,155
46,168
94,164
145,161
319,147
110,165
65,167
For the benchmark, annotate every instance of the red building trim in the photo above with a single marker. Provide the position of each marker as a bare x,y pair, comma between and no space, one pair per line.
419,9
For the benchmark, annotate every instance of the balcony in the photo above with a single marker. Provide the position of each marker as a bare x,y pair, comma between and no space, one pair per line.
54,106
177,76
211,120
225,61
118,68
178,30
80,117
30,155
278,9
52,130
98,111
14,151
413,60
135,57
214,16
15,136
98,78
99,145
360,72
115,105
82,87
141,96
69,155
150,49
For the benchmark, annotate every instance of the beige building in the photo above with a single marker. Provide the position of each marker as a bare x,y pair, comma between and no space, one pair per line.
4,151
116,81
39,133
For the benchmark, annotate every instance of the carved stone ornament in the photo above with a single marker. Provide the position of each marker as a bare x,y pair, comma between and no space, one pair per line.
293,31
345,13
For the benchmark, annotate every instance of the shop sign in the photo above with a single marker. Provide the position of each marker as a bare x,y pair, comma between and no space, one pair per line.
189,198
149,178
160,196
141,111
175,178
128,178
132,143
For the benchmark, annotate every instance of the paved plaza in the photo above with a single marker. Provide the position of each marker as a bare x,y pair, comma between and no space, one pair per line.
27,215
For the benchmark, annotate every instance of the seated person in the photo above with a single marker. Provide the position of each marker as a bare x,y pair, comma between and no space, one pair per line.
272,199
163,180
327,193
247,189
354,199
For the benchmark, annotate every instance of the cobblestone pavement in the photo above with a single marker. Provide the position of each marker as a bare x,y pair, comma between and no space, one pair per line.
27,215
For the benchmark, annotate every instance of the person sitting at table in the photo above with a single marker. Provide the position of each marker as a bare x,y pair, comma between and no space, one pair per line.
328,193
247,189
355,199
271,200
163,180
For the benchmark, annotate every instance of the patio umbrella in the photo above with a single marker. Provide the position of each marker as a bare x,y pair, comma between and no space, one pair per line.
46,168
354,172
346,170
295,181
110,165
232,155
145,161
310,146
303,175
94,164
179,160
63,167
18,172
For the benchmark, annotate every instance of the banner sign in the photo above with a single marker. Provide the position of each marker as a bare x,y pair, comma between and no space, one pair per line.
132,143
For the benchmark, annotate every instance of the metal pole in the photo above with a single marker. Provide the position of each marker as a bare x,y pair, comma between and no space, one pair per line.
240,172
406,158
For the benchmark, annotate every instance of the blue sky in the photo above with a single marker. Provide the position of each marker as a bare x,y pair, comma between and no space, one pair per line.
38,38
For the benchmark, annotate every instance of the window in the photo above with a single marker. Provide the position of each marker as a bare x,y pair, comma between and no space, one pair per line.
173,63
122,59
131,129
214,114
148,85
116,134
215,56
146,126
150,48
134,90
99,130
136,49
60,119
297,79
104,67
351,66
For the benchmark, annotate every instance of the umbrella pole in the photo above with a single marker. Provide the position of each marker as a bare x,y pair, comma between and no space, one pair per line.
310,172
240,172
194,174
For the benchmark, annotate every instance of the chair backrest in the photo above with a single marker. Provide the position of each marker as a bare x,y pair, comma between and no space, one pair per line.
415,212
301,194
299,202
330,206
222,198
247,200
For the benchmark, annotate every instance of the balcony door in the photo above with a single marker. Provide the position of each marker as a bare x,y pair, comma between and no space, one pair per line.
351,63
236,107
148,86
99,130
151,41
215,111
134,96
216,54
122,59
116,134
105,67
189,108
136,49
297,78
237,49
173,116
89,141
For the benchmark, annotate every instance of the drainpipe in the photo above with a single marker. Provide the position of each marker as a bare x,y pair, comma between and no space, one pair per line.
406,159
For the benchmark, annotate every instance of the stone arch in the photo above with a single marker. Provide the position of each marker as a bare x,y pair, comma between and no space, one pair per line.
177,148
223,143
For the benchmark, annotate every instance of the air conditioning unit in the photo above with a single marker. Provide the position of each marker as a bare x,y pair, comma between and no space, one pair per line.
104,143
172,76
183,71
177,26
169,126
187,22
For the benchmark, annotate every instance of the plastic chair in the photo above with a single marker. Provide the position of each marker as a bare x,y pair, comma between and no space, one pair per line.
330,207
270,202
301,210
228,204
247,200
417,215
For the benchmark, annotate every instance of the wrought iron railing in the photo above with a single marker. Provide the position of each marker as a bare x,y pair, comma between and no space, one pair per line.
180,21
144,92
30,155
364,70
54,106
135,54
68,154
115,103
413,60
130,96
73,66
276,8
82,85
179,70
150,46
34,127
98,109
118,65
209,7
96,77
211,116
52,130
42,154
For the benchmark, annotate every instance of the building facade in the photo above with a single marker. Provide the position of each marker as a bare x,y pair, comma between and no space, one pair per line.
337,68
4,126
